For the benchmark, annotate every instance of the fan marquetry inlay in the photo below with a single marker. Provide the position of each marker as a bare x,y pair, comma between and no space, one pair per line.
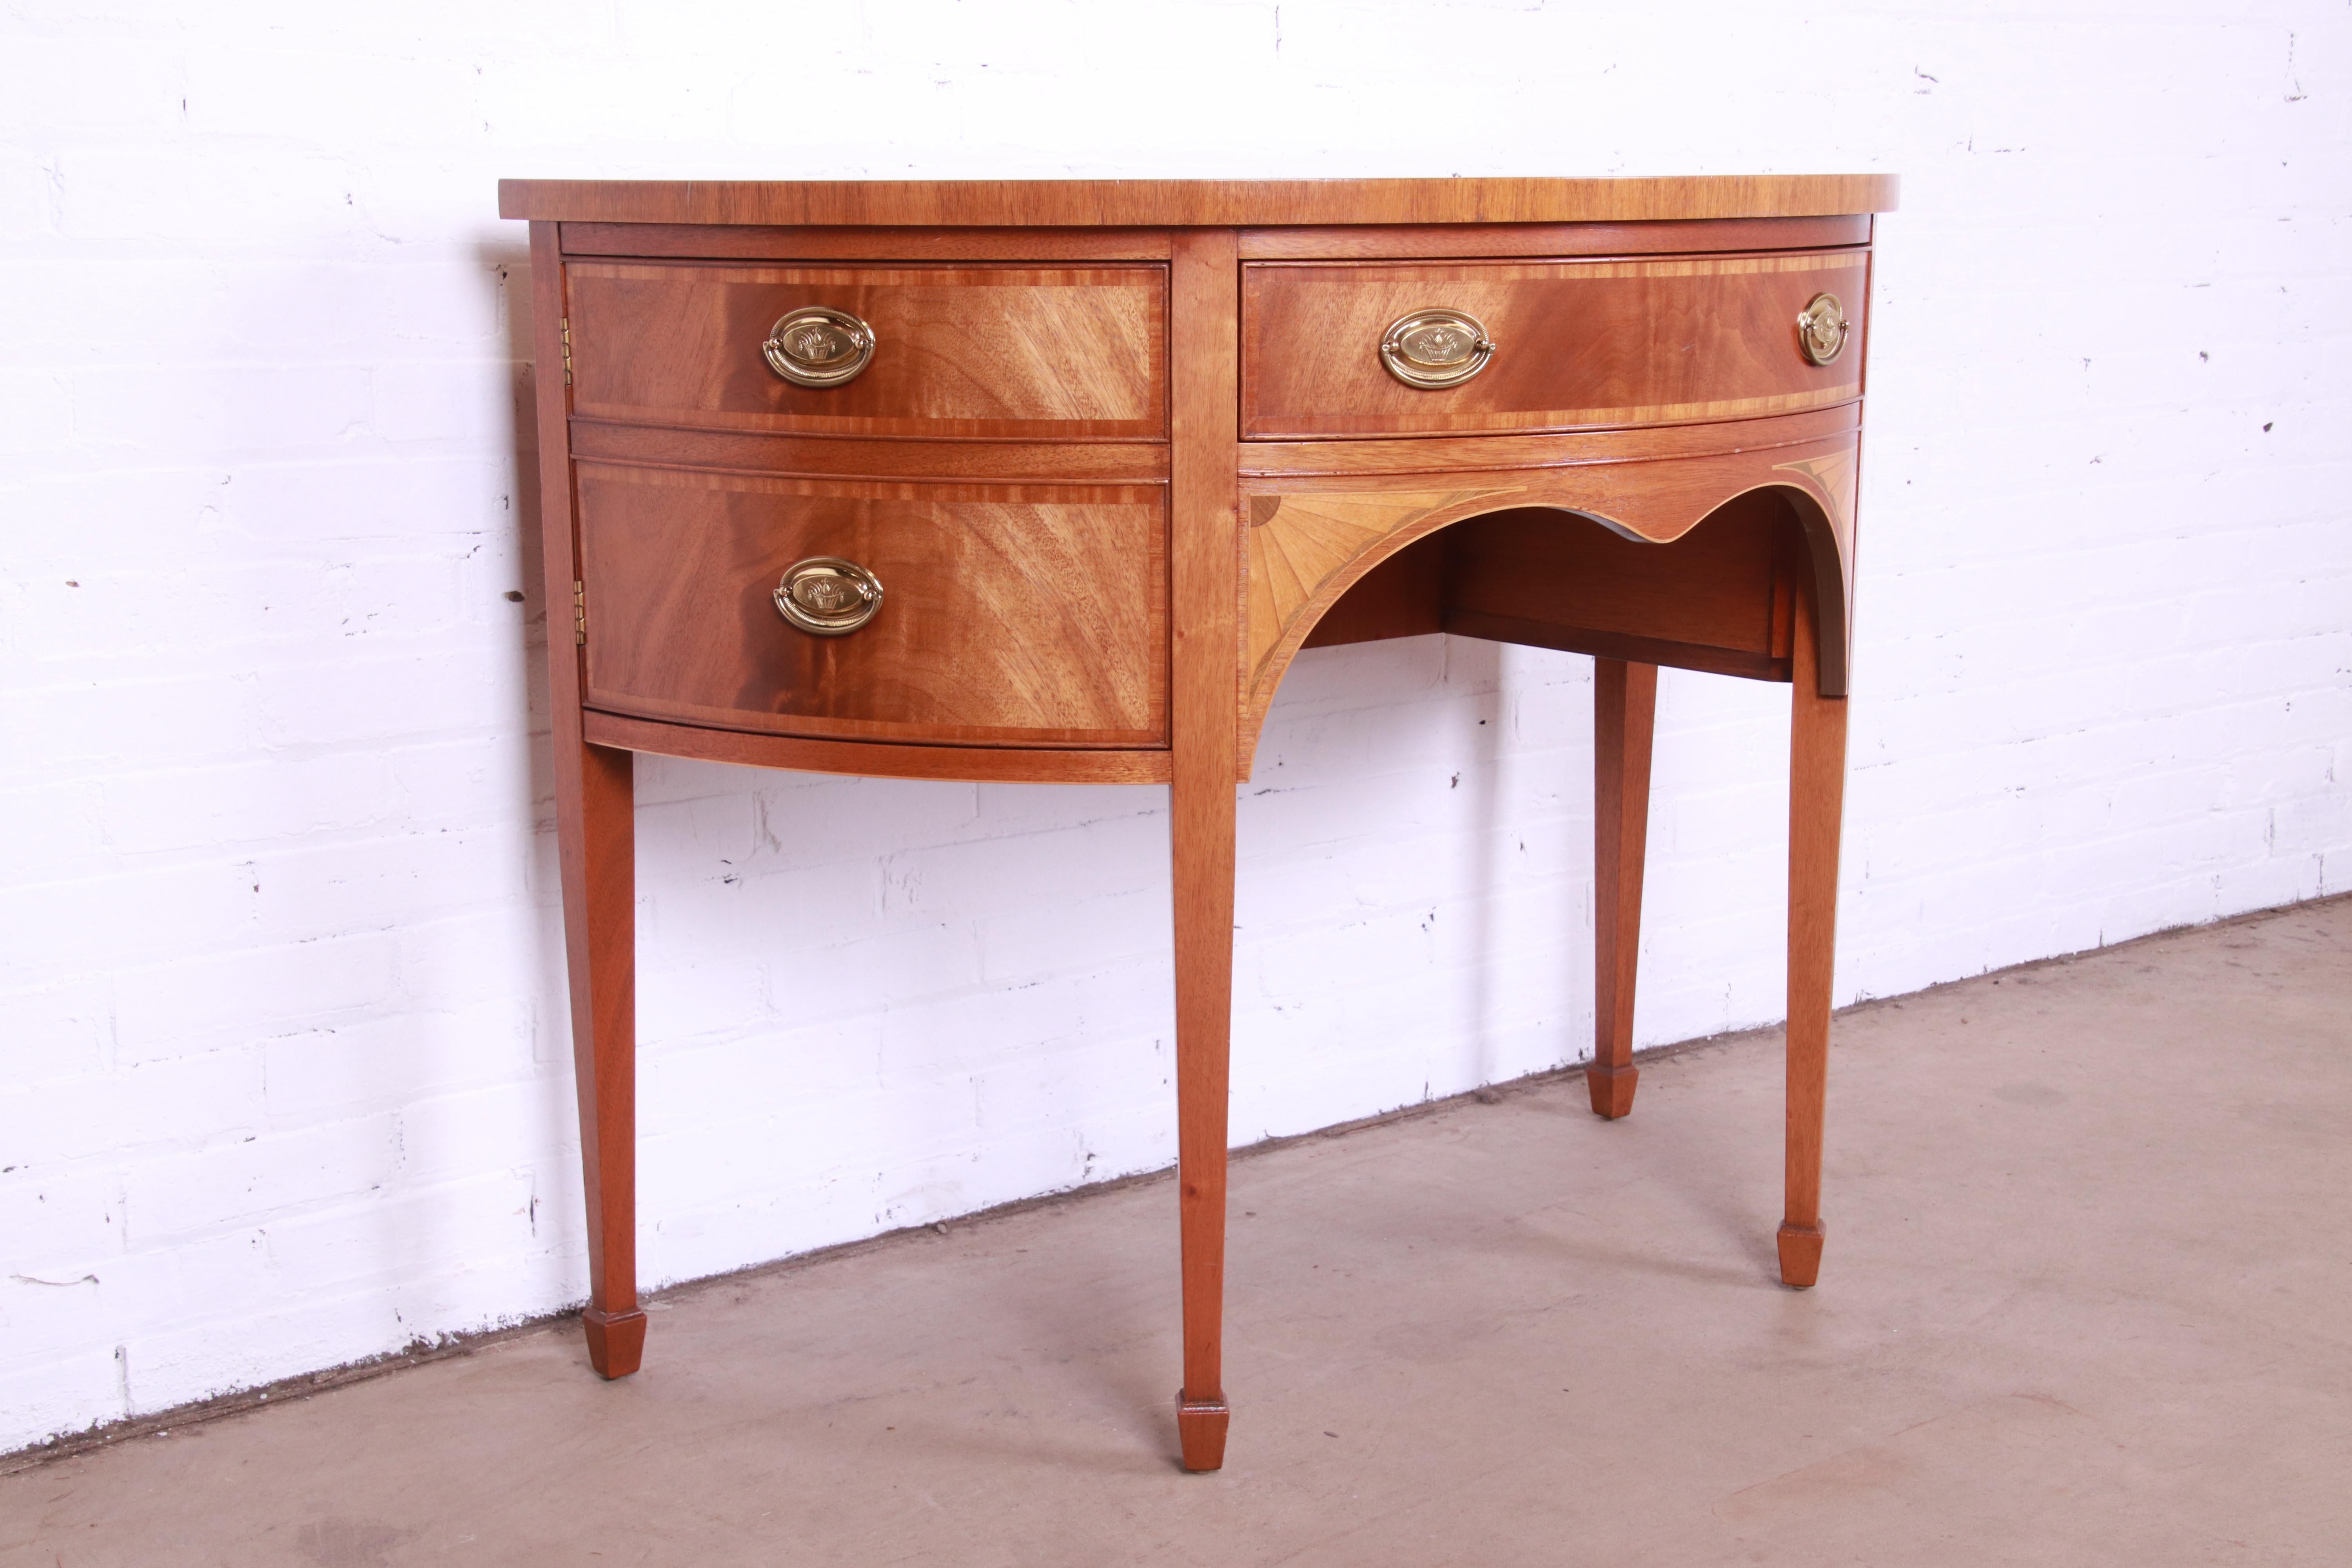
1301,545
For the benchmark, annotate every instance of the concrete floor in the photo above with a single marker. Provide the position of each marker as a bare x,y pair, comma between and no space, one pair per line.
2084,1301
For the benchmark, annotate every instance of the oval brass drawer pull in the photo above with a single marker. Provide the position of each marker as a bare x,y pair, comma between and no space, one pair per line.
818,346
828,596
1436,347
1823,328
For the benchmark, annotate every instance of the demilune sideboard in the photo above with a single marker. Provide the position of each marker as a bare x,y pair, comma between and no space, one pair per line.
1051,481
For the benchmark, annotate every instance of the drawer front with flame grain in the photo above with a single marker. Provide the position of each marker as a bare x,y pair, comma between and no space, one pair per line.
971,614
989,352
1464,348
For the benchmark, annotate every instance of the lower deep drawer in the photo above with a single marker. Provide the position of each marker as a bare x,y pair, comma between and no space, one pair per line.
1010,615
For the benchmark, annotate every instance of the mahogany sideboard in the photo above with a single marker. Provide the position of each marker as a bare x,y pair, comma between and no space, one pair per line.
1051,481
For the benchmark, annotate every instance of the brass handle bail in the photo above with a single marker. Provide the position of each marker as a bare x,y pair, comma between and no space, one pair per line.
817,345
1436,348
827,596
1823,329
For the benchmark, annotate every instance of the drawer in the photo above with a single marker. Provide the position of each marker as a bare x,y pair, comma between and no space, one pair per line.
1010,615
1580,345
1009,352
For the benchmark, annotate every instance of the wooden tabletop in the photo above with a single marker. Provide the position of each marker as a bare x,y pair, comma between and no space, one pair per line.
1253,204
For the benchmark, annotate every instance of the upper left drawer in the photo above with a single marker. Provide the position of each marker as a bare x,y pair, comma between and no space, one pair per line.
1004,353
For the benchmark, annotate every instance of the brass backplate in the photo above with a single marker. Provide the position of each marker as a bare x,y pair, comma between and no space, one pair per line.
1437,347
828,596
817,345
1823,329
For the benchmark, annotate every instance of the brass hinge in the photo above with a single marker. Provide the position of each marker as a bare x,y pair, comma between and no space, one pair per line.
567,351
579,613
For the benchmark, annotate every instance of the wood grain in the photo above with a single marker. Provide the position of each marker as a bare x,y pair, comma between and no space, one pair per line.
595,860
1403,596
884,458
1205,532
1714,600
1831,475
1301,544
604,1056
1568,637
705,242
877,759
1091,577
1625,718
1817,733
1412,593
1312,540
558,551
995,353
1583,344
1365,243
1012,615
1371,458
1250,203
1712,586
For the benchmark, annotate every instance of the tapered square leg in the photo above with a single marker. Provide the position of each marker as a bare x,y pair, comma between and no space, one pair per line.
1816,809
1204,562
1203,854
598,843
1624,719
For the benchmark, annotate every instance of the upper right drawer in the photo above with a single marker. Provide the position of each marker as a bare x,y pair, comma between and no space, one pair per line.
1339,349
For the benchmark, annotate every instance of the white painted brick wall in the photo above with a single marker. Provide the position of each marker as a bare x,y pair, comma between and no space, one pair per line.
283,1075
